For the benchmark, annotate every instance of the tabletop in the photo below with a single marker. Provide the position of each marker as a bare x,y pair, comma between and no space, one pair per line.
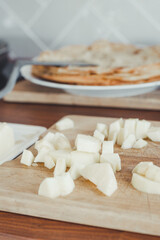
14,226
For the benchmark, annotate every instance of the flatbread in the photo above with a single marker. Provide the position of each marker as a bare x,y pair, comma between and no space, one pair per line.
117,64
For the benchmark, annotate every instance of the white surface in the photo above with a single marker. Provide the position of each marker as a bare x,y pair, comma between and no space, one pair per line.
94,91
25,136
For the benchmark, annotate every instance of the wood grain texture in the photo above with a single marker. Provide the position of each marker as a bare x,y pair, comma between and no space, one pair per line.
27,92
127,209
13,226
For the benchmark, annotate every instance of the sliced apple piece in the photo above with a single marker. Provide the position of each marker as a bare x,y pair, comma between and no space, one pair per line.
107,147
142,127
130,125
153,173
60,167
102,175
140,143
27,158
43,143
103,128
49,187
122,135
144,184
113,136
142,167
113,159
75,171
87,143
64,124
154,134
49,137
48,162
84,158
61,142
66,183
41,155
7,139
65,154
99,135
129,142
114,129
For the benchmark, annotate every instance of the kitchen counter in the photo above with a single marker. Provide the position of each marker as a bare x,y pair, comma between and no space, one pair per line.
14,226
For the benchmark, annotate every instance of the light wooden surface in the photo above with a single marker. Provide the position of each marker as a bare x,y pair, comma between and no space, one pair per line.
127,209
28,92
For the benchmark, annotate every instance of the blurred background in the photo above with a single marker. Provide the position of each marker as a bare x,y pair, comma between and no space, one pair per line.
31,26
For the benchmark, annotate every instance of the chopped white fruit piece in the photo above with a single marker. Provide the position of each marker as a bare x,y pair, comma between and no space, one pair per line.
140,143
154,134
130,125
66,184
75,171
129,142
41,155
116,125
102,175
153,173
113,159
43,143
99,135
142,167
142,127
61,142
49,187
27,158
49,137
122,135
60,167
7,140
113,136
143,184
48,162
103,128
65,154
86,143
65,123
107,147
84,158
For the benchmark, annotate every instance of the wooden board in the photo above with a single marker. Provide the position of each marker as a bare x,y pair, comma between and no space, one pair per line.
28,92
127,209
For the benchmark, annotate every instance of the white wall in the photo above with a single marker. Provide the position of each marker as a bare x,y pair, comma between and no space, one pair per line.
31,26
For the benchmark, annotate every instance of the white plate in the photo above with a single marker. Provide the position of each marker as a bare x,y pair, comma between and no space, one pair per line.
93,91
25,136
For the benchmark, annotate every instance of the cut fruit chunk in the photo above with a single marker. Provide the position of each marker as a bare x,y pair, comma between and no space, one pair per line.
75,171
27,158
65,123
102,175
129,142
122,135
130,125
153,173
87,143
113,136
41,155
66,184
99,135
142,167
49,137
145,185
142,127
107,147
7,140
103,128
83,158
114,129
65,154
48,162
154,134
140,143
61,142
60,167
113,159
49,187
43,143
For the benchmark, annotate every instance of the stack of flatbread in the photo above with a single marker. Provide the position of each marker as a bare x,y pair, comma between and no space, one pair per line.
116,64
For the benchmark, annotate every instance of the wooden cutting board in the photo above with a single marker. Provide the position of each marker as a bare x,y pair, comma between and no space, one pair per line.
28,92
127,209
